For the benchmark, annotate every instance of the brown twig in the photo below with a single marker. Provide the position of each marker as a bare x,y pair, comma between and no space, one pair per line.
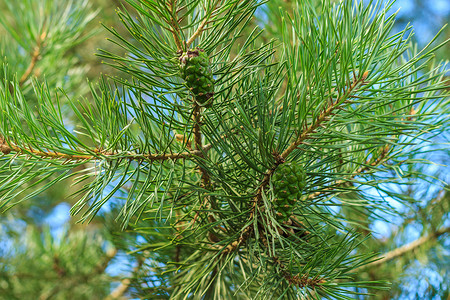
406,248
306,134
303,281
172,7
35,56
206,180
177,253
7,148
201,27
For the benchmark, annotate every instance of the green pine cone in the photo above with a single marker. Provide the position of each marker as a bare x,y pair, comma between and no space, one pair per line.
196,71
288,181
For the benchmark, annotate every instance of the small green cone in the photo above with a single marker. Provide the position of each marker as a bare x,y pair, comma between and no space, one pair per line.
195,69
288,181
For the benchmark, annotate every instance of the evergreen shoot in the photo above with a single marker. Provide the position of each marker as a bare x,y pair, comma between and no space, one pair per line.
228,165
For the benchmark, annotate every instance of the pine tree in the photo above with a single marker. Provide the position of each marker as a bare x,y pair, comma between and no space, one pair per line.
226,161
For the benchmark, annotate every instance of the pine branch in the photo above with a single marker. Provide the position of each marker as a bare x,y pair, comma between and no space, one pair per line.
7,147
306,134
406,248
172,7
325,115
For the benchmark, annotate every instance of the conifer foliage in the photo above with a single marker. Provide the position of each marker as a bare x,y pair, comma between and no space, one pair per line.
231,161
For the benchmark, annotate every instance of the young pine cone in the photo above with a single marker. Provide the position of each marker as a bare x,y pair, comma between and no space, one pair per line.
195,69
288,182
